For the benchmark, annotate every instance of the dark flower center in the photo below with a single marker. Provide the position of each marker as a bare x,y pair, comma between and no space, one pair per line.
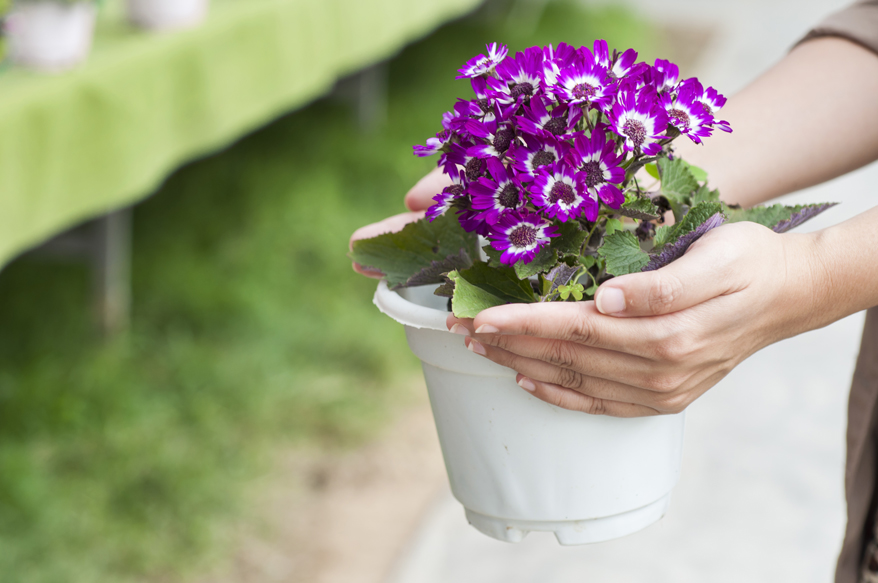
474,168
520,89
503,139
635,131
562,192
584,91
509,197
556,125
680,117
484,105
543,158
454,190
593,173
523,236
706,108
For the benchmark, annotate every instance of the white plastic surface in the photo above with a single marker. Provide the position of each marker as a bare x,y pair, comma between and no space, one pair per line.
517,463
166,14
50,36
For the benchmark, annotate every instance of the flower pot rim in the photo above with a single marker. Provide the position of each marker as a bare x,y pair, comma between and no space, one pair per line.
393,304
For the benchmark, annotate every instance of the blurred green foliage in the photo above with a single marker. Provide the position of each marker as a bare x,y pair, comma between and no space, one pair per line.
120,460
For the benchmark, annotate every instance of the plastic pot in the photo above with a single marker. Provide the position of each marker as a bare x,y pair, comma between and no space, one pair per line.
166,14
50,36
518,464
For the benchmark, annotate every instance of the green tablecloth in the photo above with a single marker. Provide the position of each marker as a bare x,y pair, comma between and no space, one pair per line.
76,145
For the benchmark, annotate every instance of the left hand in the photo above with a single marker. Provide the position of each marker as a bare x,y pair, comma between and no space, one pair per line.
654,342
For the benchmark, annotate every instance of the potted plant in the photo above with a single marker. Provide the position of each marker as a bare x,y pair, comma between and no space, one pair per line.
166,14
562,169
50,35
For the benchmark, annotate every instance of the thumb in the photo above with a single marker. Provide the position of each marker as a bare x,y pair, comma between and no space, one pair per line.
696,277
420,197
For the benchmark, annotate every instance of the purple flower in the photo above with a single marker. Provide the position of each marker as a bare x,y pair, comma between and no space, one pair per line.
687,115
640,120
624,63
559,195
666,75
496,138
446,199
520,235
482,65
434,145
599,166
537,121
522,74
459,156
499,195
539,152
585,82
556,60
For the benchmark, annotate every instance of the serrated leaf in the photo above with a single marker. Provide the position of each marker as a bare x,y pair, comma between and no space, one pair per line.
542,261
676,249
640,208
652,170
446,290
434,272
612,226
622,253
570,239
704,194
678,183
493,254
468,299
778,217
696,217
402,255
560,276
663,234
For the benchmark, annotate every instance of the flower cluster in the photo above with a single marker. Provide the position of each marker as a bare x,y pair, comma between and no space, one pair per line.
554,133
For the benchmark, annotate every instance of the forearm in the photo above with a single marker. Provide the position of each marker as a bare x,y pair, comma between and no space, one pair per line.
811,118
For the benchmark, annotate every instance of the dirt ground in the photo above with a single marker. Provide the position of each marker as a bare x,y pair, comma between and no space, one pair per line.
341,517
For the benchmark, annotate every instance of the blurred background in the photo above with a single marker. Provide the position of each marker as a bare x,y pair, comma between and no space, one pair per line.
194,385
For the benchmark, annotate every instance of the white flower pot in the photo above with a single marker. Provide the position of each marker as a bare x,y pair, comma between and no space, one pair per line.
166,14
518,464
50,36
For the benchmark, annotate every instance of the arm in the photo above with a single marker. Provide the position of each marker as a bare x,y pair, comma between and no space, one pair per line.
676,332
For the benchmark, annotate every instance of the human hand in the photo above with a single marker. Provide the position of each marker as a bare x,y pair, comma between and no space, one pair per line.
654,342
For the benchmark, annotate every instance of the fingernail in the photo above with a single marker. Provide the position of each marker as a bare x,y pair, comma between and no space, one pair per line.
610,300
486,329
526,384
477,348
458,329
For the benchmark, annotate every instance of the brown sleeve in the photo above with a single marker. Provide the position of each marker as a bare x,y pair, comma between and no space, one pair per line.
857,23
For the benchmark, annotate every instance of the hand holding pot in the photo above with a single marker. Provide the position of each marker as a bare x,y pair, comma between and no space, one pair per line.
654,342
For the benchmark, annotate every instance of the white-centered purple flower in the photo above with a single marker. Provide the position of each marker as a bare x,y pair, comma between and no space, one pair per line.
585,82
446,199
538,121
667,75
559,195
521,235
599,168
640,120
537,152
484,64
434,145
500,194
522,75
494,138
687,115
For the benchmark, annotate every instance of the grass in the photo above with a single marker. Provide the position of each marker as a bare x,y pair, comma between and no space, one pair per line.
120,460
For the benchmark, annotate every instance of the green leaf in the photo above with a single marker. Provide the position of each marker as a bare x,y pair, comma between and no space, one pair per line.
652,170
640,208
678,183
588,261
542,262
468,299
663,235
481,286
623,254
768,216
612,226
403,255
693,219
704,194
570,240
699,174
493,254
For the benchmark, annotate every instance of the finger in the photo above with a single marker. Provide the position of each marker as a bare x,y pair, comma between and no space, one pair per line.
701,274
575,401
388,225
462,326
578,322
420,197
366,271
597,388
587,360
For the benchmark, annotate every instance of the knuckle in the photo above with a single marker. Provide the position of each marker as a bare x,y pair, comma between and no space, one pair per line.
580,330
673,349
664,290
662,383
562,354
570,379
